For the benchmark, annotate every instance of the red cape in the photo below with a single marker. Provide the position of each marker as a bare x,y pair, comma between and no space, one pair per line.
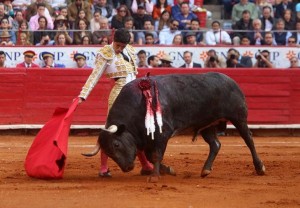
47,155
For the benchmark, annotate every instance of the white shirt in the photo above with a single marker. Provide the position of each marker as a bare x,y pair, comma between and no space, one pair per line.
166,36
214,38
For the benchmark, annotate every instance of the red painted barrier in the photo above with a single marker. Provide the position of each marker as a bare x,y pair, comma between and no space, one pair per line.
30,96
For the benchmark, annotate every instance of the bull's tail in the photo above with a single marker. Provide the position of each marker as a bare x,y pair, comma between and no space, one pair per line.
94,152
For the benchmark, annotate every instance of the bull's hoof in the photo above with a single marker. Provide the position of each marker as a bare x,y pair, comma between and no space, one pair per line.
153,179
261,171
167,170
205,173
106,174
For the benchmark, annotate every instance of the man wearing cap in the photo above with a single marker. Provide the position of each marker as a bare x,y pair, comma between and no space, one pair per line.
80,60
188,61
28,60
118,62
49,61
191,38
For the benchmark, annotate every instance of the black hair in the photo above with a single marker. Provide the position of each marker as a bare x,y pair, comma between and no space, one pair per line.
2,53
151,58
122,35
141,52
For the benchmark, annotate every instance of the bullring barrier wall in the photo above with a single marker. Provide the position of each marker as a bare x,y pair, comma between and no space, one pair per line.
28,97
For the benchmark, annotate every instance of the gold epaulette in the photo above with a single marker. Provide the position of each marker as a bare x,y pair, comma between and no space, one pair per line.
107,52
130,49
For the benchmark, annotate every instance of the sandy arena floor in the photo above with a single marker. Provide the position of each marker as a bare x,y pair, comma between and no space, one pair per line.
232,183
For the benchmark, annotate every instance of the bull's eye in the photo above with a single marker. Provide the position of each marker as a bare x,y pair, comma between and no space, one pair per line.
116,144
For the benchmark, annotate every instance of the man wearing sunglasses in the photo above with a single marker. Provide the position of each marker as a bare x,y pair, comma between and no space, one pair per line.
28,60
167,35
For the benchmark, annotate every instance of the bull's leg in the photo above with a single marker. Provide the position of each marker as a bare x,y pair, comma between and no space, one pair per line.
211,138
245,133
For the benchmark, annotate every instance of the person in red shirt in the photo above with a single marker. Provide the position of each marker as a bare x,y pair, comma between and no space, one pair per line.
28,60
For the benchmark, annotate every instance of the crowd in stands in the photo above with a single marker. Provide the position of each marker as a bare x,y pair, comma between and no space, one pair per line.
151,22
80,22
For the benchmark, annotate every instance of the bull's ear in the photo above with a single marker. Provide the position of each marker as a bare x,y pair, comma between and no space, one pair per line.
121,129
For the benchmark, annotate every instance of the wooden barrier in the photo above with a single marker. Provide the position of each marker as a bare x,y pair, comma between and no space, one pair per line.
30,96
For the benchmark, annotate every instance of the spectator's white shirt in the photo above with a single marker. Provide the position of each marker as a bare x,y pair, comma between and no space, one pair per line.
220,37
166,36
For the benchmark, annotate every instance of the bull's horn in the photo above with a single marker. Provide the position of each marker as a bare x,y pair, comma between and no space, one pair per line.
111,129
94,152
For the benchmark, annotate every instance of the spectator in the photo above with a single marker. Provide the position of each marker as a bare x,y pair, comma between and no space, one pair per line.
34,20
146,4
21,5
267,19
95,21
245,41
49,61
153,61
235,60
17,20
244,24
61,24
24,28
261,4
81,16
280,35
283,5
32,9
185,16
263,60
177,40
228,5
41,30
129,23
60,39
167,35
8,7
64,12
46,39
2,60
86,40
142,56
24,40
6,29
118,19
257,36
131,42
103,32
159,8
188,61
128,3
163,22
5,39
76,6
238,9
140,17
3,15
80,60
289,23
148,28
28,60
166,61
105,40
175,9
292,41
217,36
82,28
149,39
195,27
191,39
294,62
105,9
213,60
269,39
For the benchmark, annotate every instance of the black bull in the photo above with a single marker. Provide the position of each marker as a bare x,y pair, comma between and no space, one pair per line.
200,102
